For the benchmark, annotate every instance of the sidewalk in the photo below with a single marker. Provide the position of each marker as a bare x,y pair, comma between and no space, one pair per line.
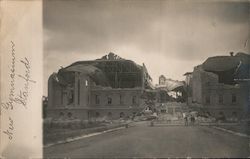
240,130
73,135
182,123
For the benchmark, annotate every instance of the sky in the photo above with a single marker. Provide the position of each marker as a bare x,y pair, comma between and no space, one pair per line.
169,37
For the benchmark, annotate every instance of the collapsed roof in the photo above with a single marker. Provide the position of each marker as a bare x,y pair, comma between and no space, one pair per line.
229,68
171,85
108,71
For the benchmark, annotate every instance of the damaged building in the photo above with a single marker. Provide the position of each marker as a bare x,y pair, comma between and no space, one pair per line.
110,87
170,90
171,95
220,86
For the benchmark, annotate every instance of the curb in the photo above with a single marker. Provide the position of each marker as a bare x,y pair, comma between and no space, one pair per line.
82,137
232,132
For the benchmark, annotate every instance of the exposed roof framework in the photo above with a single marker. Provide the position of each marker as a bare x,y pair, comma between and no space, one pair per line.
229,68
111,70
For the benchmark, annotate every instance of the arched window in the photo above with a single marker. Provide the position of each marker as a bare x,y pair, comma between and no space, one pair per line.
109,100
122,115
207,99
220,99
97,114
121,102
69,114
97,99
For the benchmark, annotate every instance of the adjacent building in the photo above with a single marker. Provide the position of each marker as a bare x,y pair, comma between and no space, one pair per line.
110,87
219,86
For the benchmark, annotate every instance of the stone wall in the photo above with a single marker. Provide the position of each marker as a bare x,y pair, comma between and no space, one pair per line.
119,97
89,101
216,98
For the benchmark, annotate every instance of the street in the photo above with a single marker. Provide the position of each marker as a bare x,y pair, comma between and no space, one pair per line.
142,140
163,141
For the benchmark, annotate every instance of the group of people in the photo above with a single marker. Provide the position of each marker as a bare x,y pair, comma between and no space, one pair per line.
189,119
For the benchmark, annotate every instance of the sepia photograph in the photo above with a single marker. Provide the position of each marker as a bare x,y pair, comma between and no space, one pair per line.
146,79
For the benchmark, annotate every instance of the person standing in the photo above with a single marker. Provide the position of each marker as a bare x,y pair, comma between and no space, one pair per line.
192,119
186,121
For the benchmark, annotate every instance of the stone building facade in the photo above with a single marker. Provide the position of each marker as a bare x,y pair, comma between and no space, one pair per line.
110,88
215,89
